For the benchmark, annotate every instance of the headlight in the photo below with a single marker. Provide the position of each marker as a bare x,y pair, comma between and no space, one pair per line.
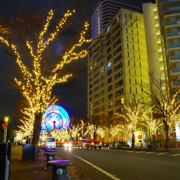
92,143
69,145
65,144
100,143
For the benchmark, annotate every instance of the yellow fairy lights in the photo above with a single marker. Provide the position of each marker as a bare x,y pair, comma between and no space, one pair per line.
134,114
153,125
35,86
26,128
101,131
170,108
61,135
74,129
91,129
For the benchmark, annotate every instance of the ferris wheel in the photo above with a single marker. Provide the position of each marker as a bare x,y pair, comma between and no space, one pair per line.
55,117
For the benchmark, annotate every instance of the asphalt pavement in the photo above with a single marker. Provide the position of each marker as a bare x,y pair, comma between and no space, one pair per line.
107,164
100,164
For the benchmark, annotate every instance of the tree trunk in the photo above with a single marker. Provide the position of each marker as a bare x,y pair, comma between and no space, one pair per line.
37,128
133,139
153,137
167,135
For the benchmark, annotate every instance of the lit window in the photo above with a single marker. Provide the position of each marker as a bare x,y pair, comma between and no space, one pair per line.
122,110
102,69
108,29
110,104
122,100
109,64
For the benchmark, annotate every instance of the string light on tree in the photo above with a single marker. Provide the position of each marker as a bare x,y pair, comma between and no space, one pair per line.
35,83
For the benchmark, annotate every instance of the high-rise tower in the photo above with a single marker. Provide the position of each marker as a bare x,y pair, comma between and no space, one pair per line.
117,64
104,11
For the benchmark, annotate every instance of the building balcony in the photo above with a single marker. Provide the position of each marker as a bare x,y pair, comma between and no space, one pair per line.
176,83
170,9
175,71
173,34
174,45
172,23
168,1
174,58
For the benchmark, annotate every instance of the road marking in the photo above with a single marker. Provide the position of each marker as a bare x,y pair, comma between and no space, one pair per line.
149,152
129,151
96,167
161,153
175,155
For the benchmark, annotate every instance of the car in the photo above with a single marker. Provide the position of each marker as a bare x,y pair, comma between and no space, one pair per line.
83,143
68,145
95,145
89,144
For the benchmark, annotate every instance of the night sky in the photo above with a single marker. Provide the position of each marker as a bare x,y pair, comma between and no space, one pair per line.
73,94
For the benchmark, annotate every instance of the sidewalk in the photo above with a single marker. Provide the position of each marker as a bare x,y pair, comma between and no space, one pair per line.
31,170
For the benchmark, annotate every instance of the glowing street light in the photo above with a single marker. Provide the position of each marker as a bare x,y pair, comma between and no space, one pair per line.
6,119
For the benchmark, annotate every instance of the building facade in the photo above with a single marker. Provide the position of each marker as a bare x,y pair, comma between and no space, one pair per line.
117,64
169,13
104,11
155,45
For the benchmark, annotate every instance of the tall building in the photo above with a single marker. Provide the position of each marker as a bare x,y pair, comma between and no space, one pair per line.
104,11
155,45
117,64
169,12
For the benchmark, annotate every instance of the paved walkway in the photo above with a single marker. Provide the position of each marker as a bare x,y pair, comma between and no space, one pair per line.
31,170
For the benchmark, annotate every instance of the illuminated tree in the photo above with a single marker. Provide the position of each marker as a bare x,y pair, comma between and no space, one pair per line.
91,129
133,114
60,135
101,131
65,136
166,104
74,129
126,129
114,130
56,134
152,125
27,122
83,124
38,72
43,137
19,135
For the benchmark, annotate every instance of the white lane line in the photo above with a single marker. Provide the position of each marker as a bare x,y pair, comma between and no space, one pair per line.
175,155
96,167
161,153
149,152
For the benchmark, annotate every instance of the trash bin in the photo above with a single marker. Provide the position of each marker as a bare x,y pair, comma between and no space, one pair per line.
59,168
5,158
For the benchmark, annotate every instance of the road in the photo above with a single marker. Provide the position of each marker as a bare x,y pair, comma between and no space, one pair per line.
104,164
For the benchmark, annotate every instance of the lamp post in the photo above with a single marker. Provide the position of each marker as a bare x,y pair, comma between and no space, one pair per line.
6,119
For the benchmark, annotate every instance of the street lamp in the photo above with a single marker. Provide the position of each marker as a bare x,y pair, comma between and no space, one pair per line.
6,119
